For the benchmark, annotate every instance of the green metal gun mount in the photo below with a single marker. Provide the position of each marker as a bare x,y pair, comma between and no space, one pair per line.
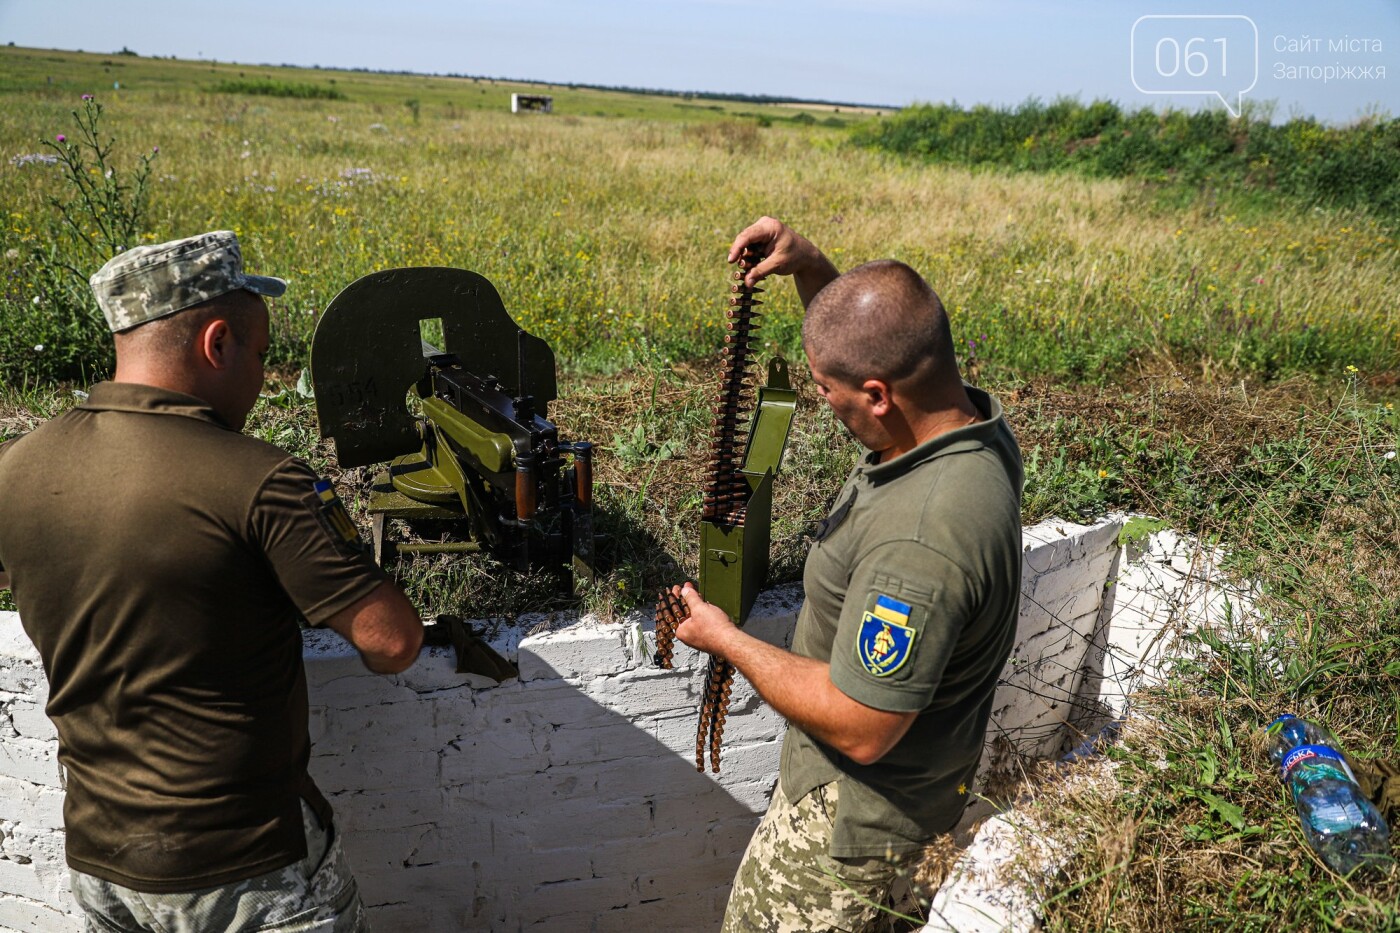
473,460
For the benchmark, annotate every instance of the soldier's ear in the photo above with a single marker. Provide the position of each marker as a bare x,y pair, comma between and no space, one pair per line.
877,396
214,343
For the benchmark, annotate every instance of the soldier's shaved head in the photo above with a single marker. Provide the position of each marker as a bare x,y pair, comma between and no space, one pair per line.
881,321
171,337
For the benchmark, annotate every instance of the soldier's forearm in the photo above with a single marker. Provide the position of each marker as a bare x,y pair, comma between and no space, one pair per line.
801,690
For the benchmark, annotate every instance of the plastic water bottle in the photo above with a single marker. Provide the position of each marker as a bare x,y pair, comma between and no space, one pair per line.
1341,825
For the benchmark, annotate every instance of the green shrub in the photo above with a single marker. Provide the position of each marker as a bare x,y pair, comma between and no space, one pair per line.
1353,166
266,87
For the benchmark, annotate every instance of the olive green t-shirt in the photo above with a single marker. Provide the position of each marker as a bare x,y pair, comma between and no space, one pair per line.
912,588
160,562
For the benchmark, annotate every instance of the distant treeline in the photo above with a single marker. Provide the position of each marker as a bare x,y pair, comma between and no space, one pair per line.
619,88
1357,165
267,87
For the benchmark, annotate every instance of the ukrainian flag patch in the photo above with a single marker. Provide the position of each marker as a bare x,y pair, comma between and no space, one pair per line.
885,639
331,512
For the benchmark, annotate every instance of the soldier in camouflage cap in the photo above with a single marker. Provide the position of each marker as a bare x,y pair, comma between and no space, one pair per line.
150,282
176,681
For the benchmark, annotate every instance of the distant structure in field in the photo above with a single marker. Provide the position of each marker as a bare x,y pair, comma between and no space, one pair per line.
542,103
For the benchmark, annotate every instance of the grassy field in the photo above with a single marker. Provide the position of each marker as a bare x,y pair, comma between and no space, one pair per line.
1225,359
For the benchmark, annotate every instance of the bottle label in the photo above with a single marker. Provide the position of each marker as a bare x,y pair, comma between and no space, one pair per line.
1316,755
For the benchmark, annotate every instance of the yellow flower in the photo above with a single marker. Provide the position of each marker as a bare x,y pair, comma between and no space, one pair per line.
1352,370
962,789
1102,473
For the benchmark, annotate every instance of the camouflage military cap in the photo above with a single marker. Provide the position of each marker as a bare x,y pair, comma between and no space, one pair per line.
149,282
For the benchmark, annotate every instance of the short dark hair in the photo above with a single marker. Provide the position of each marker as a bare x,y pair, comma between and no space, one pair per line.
880,320
173,334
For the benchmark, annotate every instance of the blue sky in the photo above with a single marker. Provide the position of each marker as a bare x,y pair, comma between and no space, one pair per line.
878,51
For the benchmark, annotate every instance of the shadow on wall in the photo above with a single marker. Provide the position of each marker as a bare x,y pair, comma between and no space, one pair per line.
567,798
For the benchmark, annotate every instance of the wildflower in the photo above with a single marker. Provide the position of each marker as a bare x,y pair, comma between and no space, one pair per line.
155,150
1390,455
36,299
1103,474
87,97
61,138
962,789
1352,370
38,348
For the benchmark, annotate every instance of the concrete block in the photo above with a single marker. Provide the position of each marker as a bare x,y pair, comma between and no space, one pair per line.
363,688
745,764
619,739
691,912
403,917
39,806
750,722
27,916
366,812
586,898
14,643
397,771
462,837
329,657
538,704
382,729
551,866
30,721
645,691
24,881
672,880
435,670
584,649
472,758
382,851
584,822
716,803
639,855
32,760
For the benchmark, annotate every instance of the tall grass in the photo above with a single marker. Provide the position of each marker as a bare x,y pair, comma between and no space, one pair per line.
607,237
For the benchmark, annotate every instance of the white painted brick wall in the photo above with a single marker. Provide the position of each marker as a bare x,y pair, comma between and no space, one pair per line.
567,799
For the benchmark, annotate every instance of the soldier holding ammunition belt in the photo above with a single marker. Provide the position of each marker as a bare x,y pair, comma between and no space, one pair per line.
911,585
160,561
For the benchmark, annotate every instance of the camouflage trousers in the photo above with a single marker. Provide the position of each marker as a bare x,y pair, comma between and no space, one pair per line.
787,883
316,895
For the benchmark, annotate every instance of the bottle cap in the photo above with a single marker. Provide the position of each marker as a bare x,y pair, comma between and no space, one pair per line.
1271,726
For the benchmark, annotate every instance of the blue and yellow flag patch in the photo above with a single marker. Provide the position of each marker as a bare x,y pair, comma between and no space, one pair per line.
885,639
332,515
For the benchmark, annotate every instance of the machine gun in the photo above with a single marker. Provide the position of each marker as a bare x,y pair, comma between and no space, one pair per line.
737,504
464,427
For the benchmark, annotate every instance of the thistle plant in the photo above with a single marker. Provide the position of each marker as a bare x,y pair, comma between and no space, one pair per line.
104,210
50,327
